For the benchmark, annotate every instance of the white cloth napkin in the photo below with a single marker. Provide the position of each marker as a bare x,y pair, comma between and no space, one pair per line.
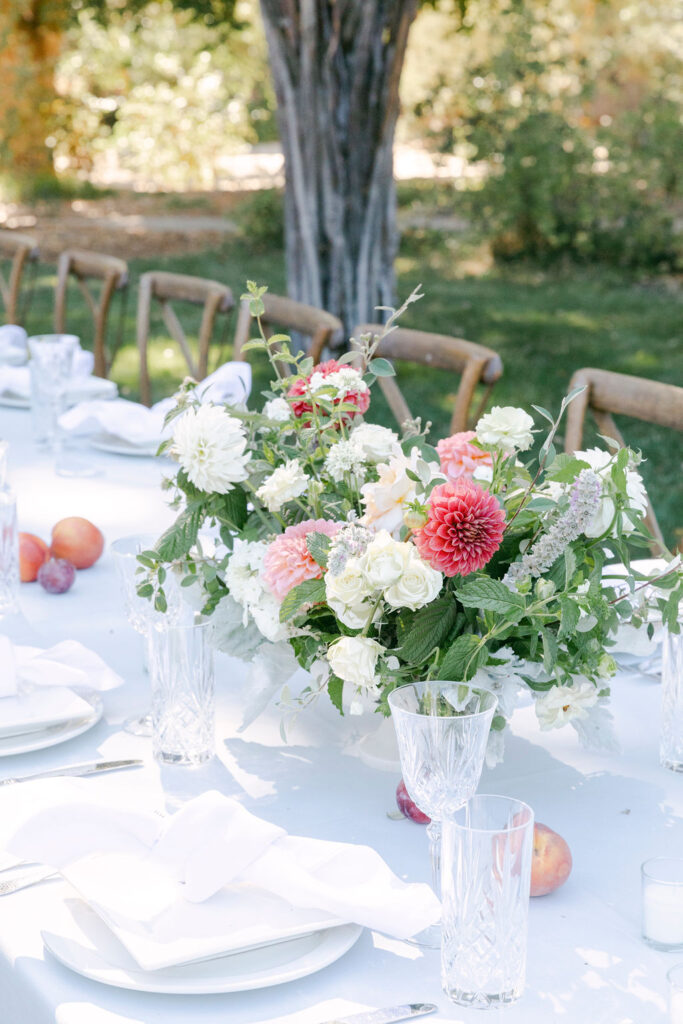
36,685
212,877
142,427
13,347
16,380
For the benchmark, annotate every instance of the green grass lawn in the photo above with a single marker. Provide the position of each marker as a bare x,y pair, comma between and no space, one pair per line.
544,324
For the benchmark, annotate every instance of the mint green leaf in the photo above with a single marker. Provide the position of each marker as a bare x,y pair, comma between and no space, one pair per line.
335,688
566,468
570,614
180,537
429,628
308,592
463,658
381,368
491,596
549,650
569,565
318,545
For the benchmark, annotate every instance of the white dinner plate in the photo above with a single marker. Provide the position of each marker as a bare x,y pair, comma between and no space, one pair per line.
117,446
89,389
85,945
50,735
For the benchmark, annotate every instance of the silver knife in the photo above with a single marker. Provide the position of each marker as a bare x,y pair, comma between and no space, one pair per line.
76,769
407,1011
38,874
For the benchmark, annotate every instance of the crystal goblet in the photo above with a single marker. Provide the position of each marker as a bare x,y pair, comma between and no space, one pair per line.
442,730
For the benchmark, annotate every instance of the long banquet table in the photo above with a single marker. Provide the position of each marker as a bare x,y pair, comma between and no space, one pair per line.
586,960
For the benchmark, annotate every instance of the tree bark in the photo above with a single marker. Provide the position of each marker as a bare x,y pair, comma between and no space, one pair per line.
336,66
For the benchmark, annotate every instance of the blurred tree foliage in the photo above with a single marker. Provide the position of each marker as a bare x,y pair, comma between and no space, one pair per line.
575,108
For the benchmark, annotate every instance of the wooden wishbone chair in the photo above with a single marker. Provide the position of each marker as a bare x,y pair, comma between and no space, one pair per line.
166,288
19,249
606,393
85,267
318,328
475,364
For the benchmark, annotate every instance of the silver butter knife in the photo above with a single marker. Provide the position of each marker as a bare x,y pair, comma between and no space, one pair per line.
76,769
387,1016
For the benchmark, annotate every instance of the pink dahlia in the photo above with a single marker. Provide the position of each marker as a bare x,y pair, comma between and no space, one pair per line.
459,457
346,379
288,561
464,528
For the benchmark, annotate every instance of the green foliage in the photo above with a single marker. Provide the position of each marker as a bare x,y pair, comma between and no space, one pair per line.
261,219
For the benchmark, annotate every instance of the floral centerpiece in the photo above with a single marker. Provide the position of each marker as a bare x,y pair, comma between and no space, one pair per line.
373,559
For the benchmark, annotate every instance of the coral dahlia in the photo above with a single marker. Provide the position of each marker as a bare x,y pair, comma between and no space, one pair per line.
347,381
288,561
464,528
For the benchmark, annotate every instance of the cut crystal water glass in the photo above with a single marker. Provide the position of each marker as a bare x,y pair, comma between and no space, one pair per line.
486,879
442,729
183,707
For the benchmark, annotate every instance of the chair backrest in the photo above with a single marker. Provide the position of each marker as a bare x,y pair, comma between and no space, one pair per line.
318,328
475,363
19,249
166,288
608,393
85,267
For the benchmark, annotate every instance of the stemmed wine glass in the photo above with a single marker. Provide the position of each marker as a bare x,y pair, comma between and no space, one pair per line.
140,612
442,730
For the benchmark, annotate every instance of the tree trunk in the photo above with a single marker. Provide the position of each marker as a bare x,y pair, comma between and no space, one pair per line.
336,66
30,42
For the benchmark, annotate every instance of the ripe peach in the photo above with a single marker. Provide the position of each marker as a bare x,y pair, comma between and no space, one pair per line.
32,553
77,540
551,862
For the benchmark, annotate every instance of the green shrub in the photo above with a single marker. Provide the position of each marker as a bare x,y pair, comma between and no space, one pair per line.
261,219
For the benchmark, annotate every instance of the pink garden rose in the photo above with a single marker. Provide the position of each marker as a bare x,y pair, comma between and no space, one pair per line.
288,561
460,458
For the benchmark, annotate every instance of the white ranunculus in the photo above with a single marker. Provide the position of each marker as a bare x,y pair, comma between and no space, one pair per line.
278,410
506,427
243,573
560,704
350,586
210,445
377,443
284,484
385,560
419,585
354,659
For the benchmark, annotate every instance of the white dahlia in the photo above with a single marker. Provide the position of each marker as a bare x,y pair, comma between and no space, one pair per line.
210,446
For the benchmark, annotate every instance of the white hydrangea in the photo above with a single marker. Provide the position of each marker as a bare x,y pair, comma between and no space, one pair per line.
210,445
285,483
345,457
506,427
278,410
378,444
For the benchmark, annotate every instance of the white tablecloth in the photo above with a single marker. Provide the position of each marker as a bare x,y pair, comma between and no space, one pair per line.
587,963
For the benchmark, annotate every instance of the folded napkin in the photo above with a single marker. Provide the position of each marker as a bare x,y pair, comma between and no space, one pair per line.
13,347
211,878
15,381
142,427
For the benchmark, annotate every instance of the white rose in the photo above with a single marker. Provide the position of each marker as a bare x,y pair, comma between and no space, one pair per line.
354,659
350,586
210,445
560,704
419,585
355,616
506,427
385,560
286,482
377,443
278,410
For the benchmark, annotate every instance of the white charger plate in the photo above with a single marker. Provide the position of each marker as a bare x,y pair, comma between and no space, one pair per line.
51,735
86,946
117,446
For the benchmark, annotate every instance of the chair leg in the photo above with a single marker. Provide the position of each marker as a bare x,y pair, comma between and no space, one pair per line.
144,301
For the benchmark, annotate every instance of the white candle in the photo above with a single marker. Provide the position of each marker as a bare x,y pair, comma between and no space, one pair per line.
663,914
